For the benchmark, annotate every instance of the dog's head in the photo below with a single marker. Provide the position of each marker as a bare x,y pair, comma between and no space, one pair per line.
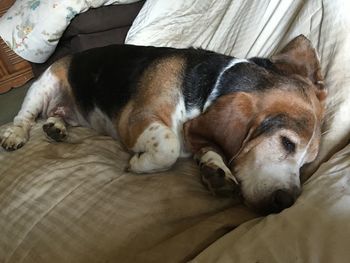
268,132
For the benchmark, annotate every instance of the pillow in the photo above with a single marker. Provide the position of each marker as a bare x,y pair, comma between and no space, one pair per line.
33,28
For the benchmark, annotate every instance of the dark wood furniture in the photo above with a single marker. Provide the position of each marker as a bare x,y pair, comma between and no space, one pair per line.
14,71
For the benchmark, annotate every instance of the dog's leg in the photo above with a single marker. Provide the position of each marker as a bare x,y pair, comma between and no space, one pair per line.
17,134
216,176
157,149
40,99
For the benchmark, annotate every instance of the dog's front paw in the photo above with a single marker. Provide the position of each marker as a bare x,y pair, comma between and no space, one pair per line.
13,137
141,163
218,180
55,129
146,162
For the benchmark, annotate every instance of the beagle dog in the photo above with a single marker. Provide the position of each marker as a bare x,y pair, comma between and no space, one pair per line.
248,122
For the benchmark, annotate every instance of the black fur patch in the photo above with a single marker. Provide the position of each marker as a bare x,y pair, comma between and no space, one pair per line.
107,77
263,62
271,124
245,77
202,70
279,121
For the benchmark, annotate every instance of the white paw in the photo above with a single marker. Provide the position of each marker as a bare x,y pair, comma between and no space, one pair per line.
134,164
145,163
55,129
13,137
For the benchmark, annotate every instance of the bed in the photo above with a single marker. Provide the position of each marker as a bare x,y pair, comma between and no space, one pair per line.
74,202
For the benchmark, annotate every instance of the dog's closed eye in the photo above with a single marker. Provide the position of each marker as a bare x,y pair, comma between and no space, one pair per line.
287,144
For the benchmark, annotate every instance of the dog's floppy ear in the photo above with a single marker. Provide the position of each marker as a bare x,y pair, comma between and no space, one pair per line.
300,57
224,126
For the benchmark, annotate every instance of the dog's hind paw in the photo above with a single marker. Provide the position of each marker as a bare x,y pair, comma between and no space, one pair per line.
13,137
55,129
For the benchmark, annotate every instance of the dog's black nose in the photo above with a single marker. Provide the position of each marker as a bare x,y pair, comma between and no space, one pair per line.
281,199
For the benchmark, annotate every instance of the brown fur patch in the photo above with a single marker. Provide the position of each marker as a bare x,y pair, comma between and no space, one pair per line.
299,57
231,121
60,70
156,99
290,104
225,124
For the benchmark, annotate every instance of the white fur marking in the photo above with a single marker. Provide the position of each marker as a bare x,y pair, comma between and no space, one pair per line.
58,122
214,94
157,149
301,160
178,118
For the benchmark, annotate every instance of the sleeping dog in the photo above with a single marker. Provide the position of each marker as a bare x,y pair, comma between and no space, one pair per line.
252,122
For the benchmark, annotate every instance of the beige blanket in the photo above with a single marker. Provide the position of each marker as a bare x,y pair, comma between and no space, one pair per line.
315,229
73,202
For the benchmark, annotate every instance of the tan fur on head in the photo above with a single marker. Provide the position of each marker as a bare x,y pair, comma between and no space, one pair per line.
271,160
230,116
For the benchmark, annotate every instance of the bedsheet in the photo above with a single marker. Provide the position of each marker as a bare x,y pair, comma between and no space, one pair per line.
73,202
32,28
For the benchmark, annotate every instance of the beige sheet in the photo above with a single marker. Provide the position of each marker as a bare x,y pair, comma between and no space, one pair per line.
73,202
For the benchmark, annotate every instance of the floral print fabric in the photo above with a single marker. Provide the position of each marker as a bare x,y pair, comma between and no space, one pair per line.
32,28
